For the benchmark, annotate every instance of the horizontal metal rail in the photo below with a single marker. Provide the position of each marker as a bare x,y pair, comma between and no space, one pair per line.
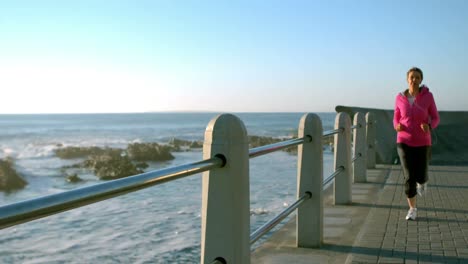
259,151
29,210
262,150
332,132
257,234
333,175
356,157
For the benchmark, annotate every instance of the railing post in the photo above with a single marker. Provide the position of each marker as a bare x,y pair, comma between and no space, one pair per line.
225,193
343,159
370,133
360,151
309,218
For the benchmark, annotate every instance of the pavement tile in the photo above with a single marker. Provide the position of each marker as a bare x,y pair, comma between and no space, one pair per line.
450,253
462,250
390,260
439,235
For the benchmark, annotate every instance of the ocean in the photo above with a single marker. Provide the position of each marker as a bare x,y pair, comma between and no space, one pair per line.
160,224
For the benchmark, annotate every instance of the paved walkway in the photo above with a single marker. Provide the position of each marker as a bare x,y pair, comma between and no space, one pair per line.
374,230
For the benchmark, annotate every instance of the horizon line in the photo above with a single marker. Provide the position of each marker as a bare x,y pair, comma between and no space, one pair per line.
163,112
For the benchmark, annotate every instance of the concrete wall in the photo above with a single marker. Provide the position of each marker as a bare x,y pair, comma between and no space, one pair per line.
449,140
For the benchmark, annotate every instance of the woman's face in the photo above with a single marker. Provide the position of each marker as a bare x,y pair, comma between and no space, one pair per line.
414,79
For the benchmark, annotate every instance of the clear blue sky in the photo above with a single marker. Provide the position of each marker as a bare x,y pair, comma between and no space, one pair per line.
227,56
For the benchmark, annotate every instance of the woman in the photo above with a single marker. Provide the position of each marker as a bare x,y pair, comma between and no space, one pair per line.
414,117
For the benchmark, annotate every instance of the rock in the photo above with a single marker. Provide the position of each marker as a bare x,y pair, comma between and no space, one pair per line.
180,144
258,141
196,144
141,165
112,163
111,166
82,152
74,178
149,152
9,179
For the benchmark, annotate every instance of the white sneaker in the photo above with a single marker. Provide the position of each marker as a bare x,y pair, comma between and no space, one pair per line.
412,212
421,188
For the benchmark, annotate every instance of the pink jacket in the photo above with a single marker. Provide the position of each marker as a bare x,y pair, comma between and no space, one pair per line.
411,117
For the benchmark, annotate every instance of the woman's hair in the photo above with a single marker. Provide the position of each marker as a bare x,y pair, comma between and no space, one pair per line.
415,69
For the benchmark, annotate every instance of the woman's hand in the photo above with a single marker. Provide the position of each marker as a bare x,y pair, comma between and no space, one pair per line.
425,127
399,127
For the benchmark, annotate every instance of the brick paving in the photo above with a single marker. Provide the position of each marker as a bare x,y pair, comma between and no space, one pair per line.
440,232
373,228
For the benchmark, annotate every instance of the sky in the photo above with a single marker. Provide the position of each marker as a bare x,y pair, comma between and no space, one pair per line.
98,56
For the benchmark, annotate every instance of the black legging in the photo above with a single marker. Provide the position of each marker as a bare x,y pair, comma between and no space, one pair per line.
415,163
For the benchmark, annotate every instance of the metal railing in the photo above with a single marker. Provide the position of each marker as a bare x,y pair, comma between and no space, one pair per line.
21,212
332,176
29,210
257,234
263,150
285,144
332,132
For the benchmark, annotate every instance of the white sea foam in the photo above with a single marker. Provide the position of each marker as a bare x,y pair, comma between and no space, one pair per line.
259,211
28,150
7,152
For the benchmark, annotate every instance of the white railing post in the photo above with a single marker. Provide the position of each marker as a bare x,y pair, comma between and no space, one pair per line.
225,193
360,151
309,218
343,159
370,133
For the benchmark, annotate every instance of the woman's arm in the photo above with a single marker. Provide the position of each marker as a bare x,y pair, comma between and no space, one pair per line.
396,116
434,114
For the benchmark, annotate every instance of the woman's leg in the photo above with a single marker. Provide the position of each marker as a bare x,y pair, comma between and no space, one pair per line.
407,164
411,202
421,161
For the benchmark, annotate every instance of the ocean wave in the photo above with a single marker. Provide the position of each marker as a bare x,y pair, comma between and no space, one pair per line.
7,152
38,151
259,211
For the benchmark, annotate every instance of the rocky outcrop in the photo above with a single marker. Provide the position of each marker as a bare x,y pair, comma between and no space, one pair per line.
136,152
113,163
149,152
258,141
142,165
83,152
109,167
9,179
177,144
73,178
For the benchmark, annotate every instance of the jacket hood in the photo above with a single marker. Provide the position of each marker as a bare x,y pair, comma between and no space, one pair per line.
422,90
